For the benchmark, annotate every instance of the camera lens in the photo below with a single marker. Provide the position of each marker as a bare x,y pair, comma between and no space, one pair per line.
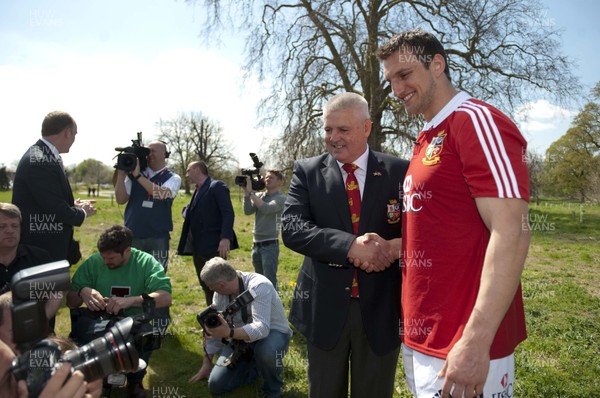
36,366
128,161
212,320
240,180
113,352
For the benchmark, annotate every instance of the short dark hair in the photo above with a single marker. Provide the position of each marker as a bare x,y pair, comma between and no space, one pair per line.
419,42
116,238
200,164
277,174
55,122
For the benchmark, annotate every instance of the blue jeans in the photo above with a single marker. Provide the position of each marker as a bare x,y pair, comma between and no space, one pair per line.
157,247
267,362
264,259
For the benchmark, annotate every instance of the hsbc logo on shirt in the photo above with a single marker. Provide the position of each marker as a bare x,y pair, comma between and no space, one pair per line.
507,388
413,195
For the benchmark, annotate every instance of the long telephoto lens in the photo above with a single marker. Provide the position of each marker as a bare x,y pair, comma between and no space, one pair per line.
111,353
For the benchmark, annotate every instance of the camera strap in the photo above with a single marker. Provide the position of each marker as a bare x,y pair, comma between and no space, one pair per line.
244,309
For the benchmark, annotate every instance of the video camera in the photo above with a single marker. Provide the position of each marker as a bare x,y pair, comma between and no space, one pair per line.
258,182
209,318
127,157
116,351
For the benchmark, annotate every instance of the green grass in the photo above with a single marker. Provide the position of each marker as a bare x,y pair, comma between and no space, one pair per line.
561,285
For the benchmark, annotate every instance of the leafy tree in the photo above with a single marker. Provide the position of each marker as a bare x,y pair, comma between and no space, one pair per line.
535,162
193,136
499,50
92,173
574,159
4,182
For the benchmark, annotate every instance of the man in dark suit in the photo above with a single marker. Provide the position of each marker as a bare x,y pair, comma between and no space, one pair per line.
42,192
349,314
208,227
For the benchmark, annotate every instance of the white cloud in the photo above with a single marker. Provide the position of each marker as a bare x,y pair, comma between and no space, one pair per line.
112,96
542,123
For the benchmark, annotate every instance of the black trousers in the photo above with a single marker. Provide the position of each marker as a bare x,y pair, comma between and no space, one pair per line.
370,375
199,262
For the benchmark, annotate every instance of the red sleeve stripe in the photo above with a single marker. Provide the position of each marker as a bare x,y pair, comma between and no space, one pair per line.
493,148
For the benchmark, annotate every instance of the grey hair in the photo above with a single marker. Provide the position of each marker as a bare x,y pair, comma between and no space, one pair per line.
345,101
217,270
10,210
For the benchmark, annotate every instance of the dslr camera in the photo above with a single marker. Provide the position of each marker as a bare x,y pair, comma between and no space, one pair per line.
258,182
128,156
115,351
209,318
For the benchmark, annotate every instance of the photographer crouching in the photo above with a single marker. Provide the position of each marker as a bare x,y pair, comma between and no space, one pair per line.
117,278
247,323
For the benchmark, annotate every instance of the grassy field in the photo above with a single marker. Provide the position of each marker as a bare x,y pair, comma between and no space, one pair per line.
561,285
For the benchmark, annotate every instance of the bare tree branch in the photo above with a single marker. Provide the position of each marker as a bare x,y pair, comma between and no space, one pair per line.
502,51
194,137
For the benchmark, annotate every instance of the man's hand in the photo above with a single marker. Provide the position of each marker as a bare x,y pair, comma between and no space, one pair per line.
371,253
248,186
86,205
466,368
394,251
116,304
221,331
204,371
93,299
224,248
136,171
58,386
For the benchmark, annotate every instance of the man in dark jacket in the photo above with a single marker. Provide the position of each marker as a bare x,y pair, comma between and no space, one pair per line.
208,227
42,192
343,213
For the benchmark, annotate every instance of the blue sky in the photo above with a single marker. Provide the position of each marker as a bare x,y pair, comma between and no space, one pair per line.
119,66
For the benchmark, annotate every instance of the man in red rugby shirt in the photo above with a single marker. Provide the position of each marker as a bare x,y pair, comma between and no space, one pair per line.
465,234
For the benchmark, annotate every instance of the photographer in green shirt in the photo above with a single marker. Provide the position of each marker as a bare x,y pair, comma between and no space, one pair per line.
119,277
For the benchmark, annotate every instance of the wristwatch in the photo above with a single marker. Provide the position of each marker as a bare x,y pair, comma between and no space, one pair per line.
135,177
231,333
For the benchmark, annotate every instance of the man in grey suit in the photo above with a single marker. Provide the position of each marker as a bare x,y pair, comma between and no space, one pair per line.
42,192
348,313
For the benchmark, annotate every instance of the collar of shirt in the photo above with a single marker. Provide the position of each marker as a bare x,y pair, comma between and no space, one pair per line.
52,148
450,107
361,172
20,254
149,173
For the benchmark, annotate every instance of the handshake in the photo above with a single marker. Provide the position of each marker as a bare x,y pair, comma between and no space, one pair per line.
87,206
371,253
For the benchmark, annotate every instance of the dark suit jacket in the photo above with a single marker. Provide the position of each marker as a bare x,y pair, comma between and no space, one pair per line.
209,218
316,223
43,194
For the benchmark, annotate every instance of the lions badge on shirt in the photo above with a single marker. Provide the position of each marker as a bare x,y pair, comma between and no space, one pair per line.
433,151
394,212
